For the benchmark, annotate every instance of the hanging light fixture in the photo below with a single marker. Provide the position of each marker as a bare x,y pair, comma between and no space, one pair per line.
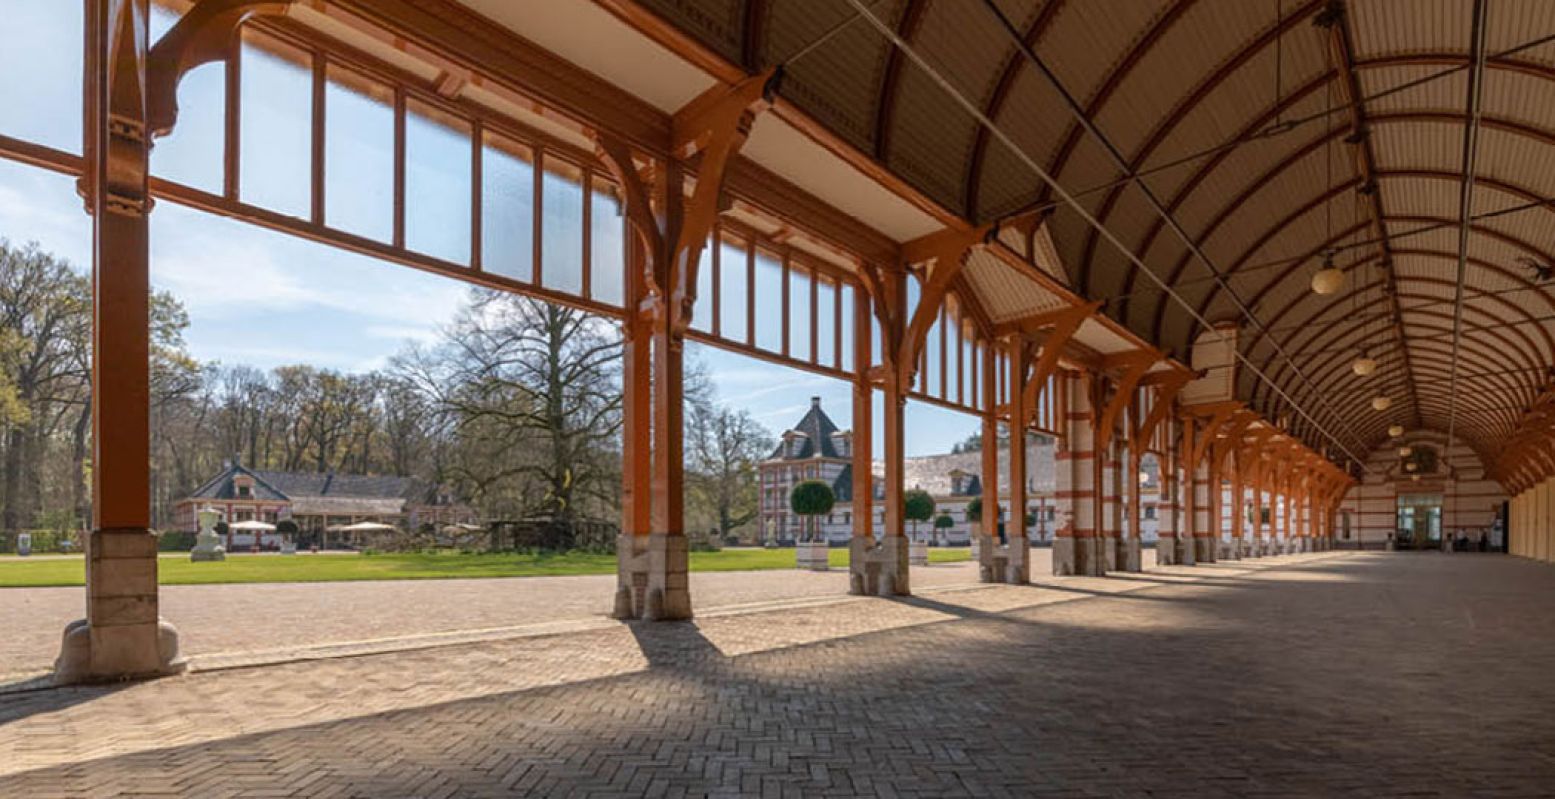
1409,467
1415,477
1404,452
1381,403
1329,279
1396,430
1363,365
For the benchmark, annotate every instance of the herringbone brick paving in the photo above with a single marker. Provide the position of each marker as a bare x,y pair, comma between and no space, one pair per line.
1318,675
222,619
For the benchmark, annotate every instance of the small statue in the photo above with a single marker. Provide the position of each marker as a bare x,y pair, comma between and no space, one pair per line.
207,544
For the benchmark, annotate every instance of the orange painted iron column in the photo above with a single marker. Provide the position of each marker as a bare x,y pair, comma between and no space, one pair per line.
1192,525
985,532
122,635
863,454
1168,549
1017,546
1238,506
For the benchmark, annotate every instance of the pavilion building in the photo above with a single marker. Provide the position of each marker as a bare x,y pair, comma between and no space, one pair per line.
319,501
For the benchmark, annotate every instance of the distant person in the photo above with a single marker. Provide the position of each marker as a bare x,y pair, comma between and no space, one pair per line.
1484,541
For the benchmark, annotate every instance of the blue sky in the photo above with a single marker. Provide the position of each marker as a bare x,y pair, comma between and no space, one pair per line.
269,299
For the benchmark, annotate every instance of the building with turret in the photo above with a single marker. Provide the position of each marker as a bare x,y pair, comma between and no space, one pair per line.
815,449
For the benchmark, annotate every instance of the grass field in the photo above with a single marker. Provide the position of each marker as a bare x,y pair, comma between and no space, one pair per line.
176,569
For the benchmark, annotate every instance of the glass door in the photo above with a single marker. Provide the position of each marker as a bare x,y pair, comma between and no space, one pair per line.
1419,521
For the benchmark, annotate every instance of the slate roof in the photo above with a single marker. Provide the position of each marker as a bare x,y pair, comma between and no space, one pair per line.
817,429
293,486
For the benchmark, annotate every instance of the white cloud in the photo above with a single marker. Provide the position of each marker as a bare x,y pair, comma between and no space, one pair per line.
413,333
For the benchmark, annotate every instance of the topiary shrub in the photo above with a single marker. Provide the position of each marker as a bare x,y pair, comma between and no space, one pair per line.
943,522
919,507
810,499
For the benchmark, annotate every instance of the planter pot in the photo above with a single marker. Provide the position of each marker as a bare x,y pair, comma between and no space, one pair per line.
812,556
918,554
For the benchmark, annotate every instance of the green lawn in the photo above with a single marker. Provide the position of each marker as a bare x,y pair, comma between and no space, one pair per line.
176,568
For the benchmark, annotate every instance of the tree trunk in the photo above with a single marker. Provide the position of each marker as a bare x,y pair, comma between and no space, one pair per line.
15,442
80,498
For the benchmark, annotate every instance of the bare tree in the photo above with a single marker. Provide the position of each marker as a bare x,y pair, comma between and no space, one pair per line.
533,391
724,446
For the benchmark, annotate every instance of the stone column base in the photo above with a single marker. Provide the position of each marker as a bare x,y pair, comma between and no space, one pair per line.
1187,551
1166,550
918,554
652,580
122,637
878,569
112,653
1091,553
1235,550
1109,549
1017,561
1066,556
1131,558
1204,549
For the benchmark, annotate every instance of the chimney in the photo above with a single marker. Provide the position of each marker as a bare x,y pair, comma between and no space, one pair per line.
815,402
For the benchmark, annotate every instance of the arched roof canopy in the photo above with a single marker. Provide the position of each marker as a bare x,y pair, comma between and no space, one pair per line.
1269,134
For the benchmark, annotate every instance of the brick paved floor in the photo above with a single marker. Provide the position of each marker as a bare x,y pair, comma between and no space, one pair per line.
1320,675
278,618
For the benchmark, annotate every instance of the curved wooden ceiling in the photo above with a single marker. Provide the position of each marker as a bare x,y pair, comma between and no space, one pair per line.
1271,131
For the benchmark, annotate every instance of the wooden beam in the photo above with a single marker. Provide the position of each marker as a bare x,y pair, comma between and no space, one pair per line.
1136,366
1207,434
667,35
715,124
1164,396
1064,326
1038,322
946,251
202,35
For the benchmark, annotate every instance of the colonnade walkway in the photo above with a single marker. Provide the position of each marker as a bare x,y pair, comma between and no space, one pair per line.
1320,674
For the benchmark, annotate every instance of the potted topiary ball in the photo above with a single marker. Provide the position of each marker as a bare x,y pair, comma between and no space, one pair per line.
919,507
810,500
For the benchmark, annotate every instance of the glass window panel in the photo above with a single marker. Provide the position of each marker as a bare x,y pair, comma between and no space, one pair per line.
359,155
969,366
845,295
876,334
561,231
607,248
733,292
799,313
40,72
437,183
928,381
163,17
507,208
702,313
277,127
826,323
40,206
193,153
769,302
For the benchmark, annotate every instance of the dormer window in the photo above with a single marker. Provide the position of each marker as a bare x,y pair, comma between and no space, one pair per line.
243,486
